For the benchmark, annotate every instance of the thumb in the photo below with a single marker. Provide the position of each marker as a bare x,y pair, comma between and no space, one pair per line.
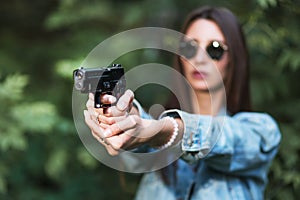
125,101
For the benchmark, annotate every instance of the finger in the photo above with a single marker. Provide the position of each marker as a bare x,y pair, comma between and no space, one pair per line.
106,120
99,139
122,107
104,126
93,114
98,136
119,142
121,126
104,98
107,111
92,110
89,118
93,125
111,149
125,101
91,96
113,111
108,99
89,103
110,120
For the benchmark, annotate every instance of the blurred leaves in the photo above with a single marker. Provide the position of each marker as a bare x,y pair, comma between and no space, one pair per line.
12,138
267,3
73,12
64,67
290,59
12,88
85,158
55,166
35,117
11,91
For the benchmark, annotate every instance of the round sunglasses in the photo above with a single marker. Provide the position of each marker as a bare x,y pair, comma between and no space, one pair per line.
215,49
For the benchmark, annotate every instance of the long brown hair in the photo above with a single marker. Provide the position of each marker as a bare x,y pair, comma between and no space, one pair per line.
237,80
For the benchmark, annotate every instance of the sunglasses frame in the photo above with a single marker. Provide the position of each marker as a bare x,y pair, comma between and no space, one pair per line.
194,44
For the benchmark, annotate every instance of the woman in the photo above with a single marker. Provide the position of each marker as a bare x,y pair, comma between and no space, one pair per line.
231,163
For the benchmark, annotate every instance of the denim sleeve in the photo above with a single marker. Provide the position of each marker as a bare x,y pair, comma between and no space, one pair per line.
141,111
234,144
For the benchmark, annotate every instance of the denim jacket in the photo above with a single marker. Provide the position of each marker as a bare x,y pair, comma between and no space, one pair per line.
225,157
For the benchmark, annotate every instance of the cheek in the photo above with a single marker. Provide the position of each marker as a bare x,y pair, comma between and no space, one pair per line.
186,66
223,66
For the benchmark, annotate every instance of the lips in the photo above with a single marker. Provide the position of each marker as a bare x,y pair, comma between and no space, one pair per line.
199,75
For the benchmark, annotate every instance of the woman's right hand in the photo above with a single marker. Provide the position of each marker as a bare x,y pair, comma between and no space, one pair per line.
99,119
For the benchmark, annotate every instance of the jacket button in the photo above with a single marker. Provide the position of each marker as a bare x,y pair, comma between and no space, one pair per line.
190,142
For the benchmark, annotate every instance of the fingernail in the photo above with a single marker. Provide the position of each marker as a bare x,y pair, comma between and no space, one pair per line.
112,99
107,133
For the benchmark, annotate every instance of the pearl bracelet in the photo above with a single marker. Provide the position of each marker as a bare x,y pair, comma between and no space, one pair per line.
174,134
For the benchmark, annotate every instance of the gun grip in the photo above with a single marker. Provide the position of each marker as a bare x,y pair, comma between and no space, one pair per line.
98,103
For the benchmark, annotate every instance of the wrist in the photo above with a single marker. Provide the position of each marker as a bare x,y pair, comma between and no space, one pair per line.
173,135
170,133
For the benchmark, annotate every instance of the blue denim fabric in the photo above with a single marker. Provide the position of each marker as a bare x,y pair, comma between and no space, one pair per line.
224,157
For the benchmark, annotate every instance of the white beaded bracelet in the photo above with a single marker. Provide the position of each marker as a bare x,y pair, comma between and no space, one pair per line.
174,134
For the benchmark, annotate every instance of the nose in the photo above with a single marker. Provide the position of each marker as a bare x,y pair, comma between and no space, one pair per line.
201,56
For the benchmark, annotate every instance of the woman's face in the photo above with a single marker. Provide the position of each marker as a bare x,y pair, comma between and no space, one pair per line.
203,72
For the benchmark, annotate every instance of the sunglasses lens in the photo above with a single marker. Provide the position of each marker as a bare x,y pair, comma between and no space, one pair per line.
215,50
188,49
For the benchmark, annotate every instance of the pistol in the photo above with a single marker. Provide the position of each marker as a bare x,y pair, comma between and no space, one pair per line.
107,80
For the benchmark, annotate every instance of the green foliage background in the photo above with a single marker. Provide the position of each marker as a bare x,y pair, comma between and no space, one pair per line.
41,42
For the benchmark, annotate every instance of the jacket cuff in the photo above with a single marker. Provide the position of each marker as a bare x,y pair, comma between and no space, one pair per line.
198,137
140,109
